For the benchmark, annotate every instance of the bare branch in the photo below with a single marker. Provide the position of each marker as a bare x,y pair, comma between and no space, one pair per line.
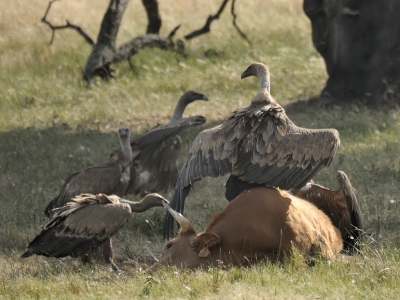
145,41
172,33
206,27
68,25
234,22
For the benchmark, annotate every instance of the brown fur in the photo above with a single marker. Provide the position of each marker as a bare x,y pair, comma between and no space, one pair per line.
340,205
260,223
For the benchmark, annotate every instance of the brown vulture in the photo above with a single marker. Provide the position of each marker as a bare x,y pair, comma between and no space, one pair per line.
259,146
341,206
84,227
111,177
155,153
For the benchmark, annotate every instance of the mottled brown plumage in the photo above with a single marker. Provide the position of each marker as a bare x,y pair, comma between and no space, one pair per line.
111,177
84,227
341,206
156,153
259,146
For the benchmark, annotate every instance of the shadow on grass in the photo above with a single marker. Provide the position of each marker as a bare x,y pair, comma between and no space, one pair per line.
34,163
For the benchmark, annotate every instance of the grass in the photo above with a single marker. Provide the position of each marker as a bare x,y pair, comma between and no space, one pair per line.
51,125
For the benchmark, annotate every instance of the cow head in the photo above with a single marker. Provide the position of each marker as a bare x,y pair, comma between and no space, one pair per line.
188,249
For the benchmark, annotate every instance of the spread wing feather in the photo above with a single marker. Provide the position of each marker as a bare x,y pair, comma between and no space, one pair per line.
355,230
258,145
157,153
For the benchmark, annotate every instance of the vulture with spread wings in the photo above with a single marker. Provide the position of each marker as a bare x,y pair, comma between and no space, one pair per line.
259,146
155,153
84,227
111,177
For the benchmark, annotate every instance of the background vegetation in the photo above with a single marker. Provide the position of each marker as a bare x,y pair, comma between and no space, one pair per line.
51,125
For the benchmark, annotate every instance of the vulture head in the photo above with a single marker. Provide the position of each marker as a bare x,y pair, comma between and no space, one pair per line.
260,71
191,96
184,100
124,135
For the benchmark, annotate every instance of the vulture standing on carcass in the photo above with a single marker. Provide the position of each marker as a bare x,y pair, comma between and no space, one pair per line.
259,146
84,227
111,177
155,163
341,206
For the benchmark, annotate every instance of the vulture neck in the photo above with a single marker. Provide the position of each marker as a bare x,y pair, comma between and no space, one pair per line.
263,95
180,107
126,149
146,203
263,78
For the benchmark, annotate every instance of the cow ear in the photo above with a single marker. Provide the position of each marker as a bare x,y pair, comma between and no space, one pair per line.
206,241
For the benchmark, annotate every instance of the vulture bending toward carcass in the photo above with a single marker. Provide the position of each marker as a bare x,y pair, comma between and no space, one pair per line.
341,206
111,177
259,146
156,153
84,227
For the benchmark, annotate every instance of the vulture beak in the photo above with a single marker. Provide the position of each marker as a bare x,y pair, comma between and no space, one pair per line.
204,97
246,73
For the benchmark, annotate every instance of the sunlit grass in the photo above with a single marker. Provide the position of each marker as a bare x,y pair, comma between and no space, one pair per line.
372,275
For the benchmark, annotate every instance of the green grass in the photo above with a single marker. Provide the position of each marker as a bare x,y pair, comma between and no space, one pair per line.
51,125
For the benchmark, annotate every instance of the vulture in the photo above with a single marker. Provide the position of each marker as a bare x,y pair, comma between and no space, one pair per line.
84,227
155,163
341,206
258,146
111,177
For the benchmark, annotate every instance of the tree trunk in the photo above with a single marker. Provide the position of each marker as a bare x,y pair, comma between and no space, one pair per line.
104,50
153,16
360,43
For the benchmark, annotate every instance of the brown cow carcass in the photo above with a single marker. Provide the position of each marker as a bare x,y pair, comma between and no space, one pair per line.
261,223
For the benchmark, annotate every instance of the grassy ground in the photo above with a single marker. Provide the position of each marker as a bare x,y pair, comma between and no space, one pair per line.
51,125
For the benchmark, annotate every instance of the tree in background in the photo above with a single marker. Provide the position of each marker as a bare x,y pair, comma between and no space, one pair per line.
105,52
360,43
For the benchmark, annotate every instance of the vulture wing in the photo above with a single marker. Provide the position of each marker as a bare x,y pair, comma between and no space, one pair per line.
257,145
340,206
277,153
78,227
156,153
104,178
332,203
150,142
353,231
